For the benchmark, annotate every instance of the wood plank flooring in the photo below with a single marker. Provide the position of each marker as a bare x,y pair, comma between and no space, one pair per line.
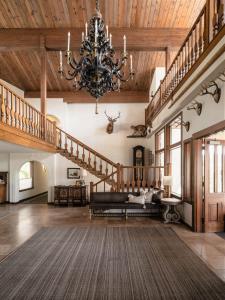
19,222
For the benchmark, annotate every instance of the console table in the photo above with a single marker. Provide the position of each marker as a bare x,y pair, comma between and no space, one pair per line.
76,195
171,214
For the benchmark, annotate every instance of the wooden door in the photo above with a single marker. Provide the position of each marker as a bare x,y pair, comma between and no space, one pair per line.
214,186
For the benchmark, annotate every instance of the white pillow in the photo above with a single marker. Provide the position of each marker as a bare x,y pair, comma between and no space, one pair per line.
148,195
138,199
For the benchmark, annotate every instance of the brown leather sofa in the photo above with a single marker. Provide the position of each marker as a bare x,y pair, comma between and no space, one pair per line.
102,204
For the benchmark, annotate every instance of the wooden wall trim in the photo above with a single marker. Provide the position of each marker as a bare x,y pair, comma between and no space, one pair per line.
82,97
138,39
209,130
15,136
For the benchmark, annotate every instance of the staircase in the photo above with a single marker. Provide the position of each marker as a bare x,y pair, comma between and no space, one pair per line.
86,157
23,124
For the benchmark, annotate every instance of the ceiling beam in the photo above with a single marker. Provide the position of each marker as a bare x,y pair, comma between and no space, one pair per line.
138,39
83,97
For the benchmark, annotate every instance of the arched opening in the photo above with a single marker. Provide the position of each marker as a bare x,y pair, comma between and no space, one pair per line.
33,183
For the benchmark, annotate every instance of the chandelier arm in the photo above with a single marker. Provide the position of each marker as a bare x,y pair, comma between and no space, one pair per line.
63,73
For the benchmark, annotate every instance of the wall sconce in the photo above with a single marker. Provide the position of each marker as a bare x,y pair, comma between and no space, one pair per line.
216,94
44,168
197,106
186,125
222,77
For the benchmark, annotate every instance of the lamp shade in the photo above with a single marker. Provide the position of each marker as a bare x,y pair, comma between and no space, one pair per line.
84,173
167,180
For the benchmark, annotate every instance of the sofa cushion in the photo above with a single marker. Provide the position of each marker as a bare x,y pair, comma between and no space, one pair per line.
110,197
148,195
106,206
136,199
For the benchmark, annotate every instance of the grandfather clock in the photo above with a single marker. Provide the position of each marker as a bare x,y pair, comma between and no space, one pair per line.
138,161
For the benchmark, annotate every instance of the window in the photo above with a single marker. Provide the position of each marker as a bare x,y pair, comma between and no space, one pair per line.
26,177
159,150
174,131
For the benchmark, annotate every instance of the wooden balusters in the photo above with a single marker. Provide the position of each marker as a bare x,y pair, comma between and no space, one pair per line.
77,152
66,144
95,163
100,166
89,159
71,148
211,19
83,155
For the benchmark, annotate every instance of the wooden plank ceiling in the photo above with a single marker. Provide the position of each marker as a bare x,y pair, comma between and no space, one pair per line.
22,67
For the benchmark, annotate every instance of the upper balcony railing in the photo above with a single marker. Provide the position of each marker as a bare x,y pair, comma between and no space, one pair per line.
19,114
207,26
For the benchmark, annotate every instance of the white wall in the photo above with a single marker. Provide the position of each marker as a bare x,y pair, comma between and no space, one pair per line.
40,183
4,162
157,77
16,160
80,121
212,112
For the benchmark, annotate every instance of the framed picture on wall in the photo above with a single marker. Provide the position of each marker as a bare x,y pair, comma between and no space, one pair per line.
73,173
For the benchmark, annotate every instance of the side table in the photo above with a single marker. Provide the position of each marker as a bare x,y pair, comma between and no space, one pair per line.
171,214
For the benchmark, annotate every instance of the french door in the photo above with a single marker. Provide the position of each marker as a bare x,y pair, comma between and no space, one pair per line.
214,185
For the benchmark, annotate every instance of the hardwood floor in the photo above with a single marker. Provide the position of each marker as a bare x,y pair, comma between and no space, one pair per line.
19,222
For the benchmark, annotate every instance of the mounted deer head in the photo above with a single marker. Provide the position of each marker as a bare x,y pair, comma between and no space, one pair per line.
216,94
197,106
186,125
222,77
110,126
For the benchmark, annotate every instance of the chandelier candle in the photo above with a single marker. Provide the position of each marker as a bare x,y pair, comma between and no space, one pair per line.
110,40
86,29
98,70
68,42
124,45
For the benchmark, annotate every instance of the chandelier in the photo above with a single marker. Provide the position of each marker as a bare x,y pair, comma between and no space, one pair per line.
98,70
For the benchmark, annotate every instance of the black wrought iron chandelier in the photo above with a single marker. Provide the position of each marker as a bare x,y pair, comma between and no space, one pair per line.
98,71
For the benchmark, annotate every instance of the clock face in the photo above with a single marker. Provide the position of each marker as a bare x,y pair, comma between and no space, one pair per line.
139,154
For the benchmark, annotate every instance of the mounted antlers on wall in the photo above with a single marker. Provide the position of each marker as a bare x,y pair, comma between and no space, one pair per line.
110,126
197,106
222,77
186,125
216,94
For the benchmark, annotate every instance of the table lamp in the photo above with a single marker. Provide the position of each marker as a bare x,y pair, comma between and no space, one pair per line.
167,183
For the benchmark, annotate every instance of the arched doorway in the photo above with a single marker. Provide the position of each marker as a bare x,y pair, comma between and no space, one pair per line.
33,183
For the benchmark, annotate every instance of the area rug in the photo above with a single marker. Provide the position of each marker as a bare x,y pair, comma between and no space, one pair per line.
221,234
122,263
42,199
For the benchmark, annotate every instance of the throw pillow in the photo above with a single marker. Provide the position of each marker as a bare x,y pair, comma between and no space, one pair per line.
148,195
138,199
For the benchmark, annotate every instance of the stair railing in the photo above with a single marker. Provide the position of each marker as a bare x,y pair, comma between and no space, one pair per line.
110,180
19,114
207,26
131,179
84,154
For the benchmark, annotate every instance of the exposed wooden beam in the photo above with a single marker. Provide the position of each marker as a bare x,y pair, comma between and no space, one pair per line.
83,97
138,39
167,58
43,82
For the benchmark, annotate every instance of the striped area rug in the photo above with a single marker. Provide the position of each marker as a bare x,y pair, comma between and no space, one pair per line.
122,263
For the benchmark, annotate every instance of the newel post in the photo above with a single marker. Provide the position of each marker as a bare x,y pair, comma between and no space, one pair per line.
91,188
118,177
208,22
55,135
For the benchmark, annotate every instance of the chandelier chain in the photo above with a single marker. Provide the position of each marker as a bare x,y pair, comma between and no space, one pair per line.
97,5
98,70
